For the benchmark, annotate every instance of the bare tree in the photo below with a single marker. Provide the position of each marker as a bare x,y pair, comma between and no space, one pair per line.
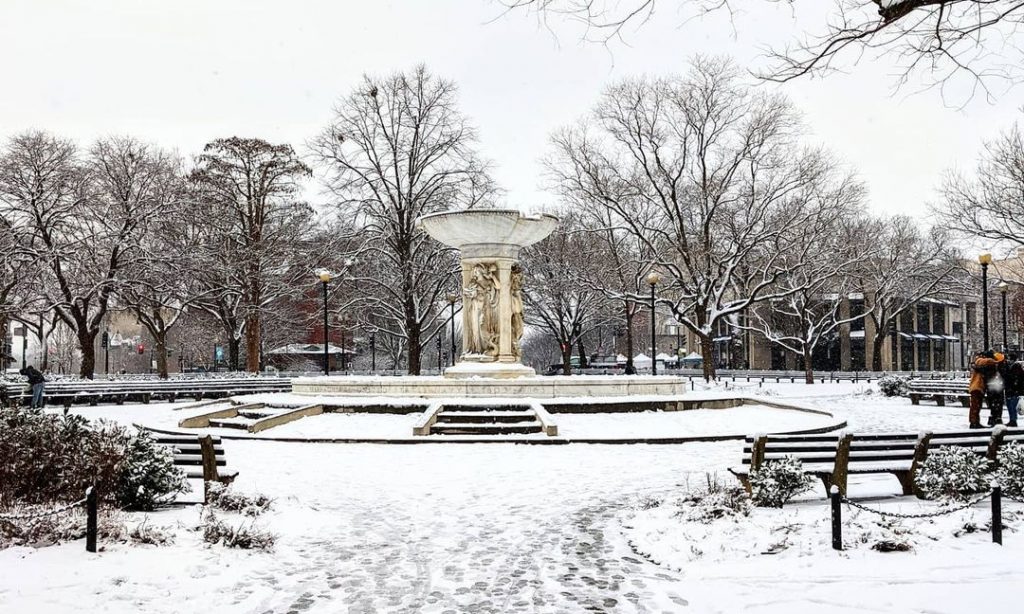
907,266
989,205
18,272
256,231
706,176
85,222
397,149
940,38
557,297
822,256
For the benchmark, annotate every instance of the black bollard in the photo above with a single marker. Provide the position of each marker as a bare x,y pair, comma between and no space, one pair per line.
997,515
90,519
837,518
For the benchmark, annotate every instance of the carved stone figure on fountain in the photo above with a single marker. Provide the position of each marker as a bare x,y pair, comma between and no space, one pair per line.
481,303
517,309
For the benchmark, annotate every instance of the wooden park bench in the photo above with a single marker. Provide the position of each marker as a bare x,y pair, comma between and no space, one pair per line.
201,458
939,390
833,458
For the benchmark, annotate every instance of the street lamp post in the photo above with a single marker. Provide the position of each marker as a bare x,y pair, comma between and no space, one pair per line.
325,278
653,278
984,259
373,351
452,297
1003,286
439,353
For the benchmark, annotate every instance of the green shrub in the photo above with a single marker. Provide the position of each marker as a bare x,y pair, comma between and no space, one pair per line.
894,385
1010,474
777,481
953,473
52,459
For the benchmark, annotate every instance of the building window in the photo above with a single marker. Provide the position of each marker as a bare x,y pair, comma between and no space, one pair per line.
857,354
923,354
923,320
939,355
906,354
856,309
939,319
907,321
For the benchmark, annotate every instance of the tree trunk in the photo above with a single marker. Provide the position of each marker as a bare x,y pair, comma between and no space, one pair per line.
252,343
161,354
630,368
87,346
707,352
808,365
414,350
582,352
234,349
876,355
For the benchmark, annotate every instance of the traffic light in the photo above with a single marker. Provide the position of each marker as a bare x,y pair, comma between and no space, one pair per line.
105,340
142,349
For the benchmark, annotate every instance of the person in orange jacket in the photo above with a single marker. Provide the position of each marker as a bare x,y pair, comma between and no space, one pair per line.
983,369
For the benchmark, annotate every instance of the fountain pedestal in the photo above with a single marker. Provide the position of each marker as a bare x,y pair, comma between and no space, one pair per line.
489,241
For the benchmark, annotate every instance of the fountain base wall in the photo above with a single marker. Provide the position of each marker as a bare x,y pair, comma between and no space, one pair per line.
455,387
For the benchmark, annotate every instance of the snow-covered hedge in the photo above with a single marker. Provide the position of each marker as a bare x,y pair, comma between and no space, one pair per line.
776,482
953,473
1011,470
894,385
52,459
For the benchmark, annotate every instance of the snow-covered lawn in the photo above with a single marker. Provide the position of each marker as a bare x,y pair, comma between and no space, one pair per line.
512,528
691,423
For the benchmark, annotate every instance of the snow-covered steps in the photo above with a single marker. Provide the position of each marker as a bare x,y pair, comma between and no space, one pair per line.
251,417
478,428
486,420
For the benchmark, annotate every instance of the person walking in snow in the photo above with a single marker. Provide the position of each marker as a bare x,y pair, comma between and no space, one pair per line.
1014,383
982,370
38,384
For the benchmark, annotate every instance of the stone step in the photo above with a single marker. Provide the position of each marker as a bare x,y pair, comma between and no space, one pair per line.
230,423
486,416
464,428
485,408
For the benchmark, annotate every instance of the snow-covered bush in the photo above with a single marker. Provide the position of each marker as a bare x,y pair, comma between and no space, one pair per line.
225,498
246,537
49,458
712,501
952,473
147,474
894,385
777,481
1010,474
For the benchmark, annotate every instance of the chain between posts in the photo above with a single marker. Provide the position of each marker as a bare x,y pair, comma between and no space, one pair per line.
944,512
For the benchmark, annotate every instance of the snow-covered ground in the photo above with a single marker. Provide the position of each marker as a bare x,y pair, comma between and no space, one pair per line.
511,528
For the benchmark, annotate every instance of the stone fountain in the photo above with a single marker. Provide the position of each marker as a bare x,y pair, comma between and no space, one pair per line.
489,241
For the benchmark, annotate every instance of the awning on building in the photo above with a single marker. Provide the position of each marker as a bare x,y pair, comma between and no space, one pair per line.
906,335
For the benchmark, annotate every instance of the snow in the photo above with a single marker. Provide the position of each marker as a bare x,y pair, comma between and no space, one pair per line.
691,423
510,528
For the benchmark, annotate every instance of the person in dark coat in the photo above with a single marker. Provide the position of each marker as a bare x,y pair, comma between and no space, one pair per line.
994,393
38,384
1014,381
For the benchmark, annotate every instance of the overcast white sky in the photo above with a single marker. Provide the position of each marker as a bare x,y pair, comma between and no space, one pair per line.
183,72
